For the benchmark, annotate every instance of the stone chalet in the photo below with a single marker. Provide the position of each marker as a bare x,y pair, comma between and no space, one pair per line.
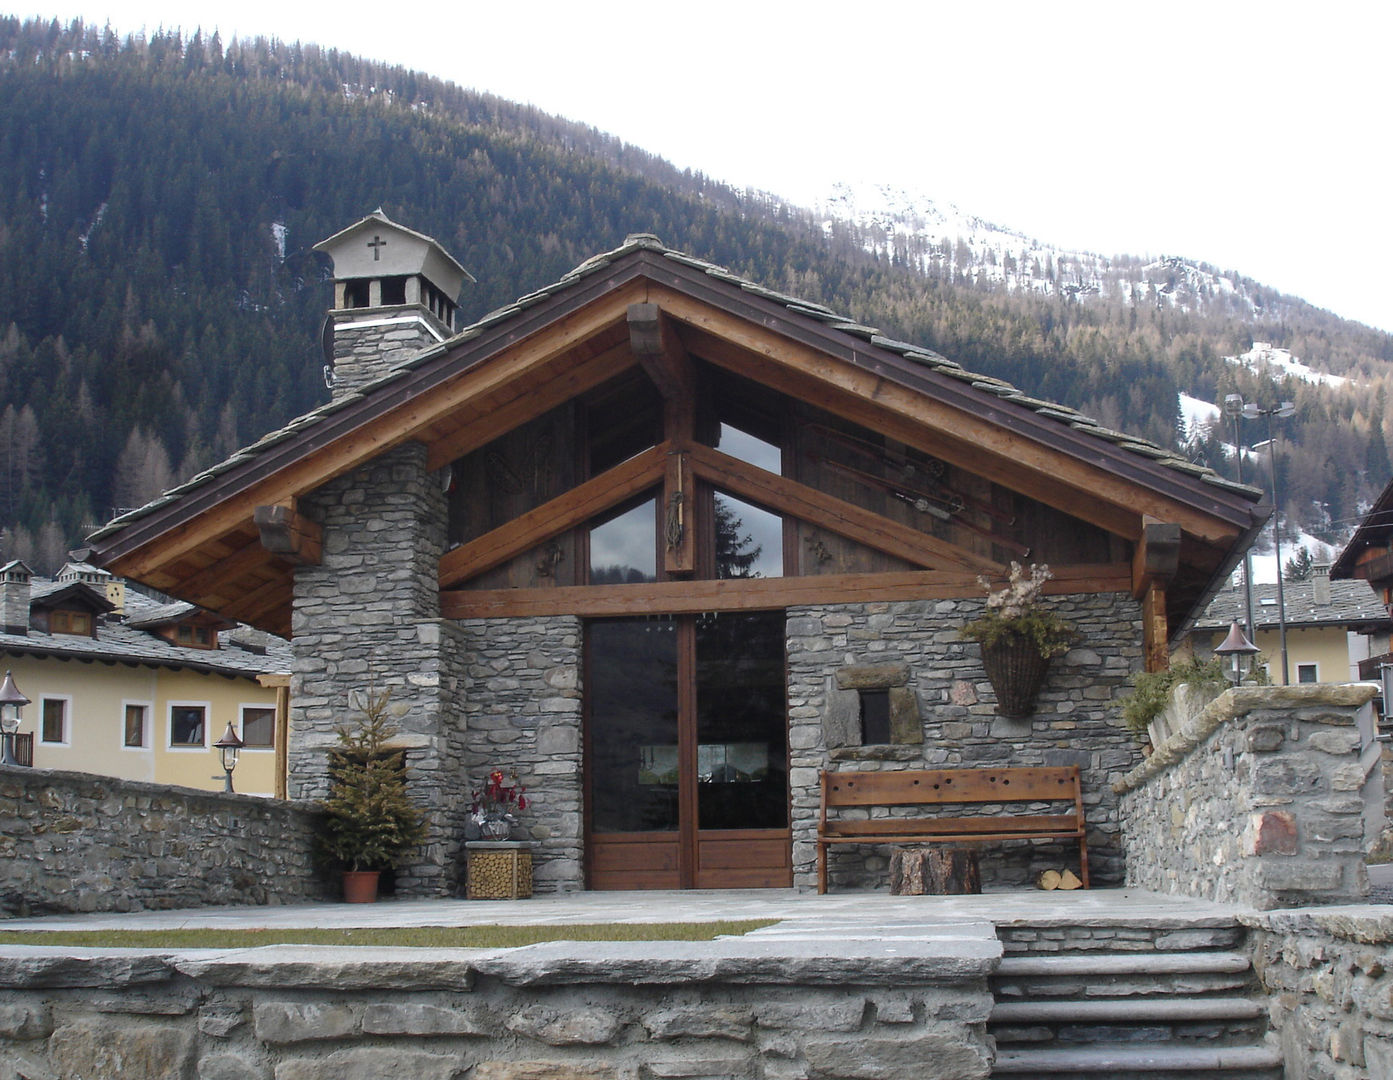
668,543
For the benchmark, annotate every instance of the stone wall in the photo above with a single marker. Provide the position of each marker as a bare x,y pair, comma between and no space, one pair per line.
1075,722
369,617
521,709
76,842
643,1012
1269,797
1329,980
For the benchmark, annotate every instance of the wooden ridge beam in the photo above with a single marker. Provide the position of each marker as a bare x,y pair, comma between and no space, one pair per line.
836,515
753,594
659,352
554,516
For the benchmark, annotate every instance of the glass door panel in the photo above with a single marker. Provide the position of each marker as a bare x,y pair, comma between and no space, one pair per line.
632,685
742,767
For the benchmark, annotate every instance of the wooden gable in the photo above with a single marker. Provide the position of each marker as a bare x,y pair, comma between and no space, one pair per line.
902,475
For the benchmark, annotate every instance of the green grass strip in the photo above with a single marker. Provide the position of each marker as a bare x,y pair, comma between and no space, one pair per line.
407,937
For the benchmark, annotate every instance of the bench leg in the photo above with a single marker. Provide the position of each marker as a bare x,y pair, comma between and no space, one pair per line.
1083,861
821,868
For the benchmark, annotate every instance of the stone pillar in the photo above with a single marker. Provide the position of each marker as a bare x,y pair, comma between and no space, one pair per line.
369,617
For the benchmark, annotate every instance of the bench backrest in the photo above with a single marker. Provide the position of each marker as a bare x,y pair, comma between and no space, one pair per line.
922,787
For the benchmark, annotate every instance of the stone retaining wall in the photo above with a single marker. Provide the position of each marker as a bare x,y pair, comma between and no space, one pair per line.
75,842
832,648
1329,980
645,1011
1269,797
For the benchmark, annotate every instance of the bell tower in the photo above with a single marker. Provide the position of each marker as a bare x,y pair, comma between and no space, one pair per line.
395,293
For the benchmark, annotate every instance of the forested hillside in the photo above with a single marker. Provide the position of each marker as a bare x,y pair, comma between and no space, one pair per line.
159,304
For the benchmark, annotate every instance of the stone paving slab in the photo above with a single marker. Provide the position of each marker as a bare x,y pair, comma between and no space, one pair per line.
801,912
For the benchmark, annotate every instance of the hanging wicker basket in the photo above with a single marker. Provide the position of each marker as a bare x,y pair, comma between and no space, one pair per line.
1016,671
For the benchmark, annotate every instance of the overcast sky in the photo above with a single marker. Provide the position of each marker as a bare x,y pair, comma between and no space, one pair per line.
1253,136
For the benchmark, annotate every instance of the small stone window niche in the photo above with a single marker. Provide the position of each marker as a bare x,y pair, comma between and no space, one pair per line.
872,714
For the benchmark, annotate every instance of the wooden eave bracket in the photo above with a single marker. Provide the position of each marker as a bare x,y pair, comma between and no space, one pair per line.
289,534
1156,558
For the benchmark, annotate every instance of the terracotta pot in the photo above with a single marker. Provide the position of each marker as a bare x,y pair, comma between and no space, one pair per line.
360,886
1016,671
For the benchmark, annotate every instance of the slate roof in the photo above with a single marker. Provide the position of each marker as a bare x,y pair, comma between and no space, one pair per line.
1352,605
119,640
1065,416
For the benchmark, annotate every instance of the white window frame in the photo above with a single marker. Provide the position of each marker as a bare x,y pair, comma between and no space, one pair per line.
67,739
147,739
1314,666
187,748
242,726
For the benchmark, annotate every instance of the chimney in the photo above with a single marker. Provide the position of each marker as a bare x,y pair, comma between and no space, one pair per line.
395,294
14,597
1320,585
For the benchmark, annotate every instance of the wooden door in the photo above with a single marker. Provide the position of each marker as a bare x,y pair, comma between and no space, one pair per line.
686,752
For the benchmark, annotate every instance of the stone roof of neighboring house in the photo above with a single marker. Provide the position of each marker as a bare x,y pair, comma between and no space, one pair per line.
119,639
1061,414
1352,605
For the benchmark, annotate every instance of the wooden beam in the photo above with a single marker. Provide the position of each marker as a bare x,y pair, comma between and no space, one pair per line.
1156,557
679,489
142,548
251,607
230,567
1090,491
498,417
752,594
289,534
554,516
1155,629
836,515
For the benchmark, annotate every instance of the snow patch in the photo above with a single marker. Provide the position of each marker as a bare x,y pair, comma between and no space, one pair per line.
1262,357
278,233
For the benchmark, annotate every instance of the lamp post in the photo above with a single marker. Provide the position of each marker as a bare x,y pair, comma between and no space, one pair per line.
11,701
1283,410
1233,409
229,746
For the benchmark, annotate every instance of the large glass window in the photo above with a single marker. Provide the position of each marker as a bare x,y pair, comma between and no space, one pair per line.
749,541
624,549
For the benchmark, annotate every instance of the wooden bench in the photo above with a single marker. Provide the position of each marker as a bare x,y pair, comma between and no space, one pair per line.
945,787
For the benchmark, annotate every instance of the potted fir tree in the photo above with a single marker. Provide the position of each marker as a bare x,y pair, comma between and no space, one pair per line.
369,823
1019,638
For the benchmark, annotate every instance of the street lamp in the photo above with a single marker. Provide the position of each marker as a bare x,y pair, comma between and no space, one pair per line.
1281,410
1233,409
1239,647
11,701
229,746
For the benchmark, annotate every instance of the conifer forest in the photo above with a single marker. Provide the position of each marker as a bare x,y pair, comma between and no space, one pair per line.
160,305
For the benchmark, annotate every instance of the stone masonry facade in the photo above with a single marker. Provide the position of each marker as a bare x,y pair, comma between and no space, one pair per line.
78,842
1268,797
1075,721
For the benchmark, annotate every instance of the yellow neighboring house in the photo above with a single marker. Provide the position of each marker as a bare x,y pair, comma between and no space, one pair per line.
125,685
1331,626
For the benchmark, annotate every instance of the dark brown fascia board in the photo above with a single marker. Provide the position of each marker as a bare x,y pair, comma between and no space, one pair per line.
645,263
1366,535
1182,626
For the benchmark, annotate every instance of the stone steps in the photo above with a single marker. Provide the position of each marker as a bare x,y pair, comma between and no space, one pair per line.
1152,1063
1070,1009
